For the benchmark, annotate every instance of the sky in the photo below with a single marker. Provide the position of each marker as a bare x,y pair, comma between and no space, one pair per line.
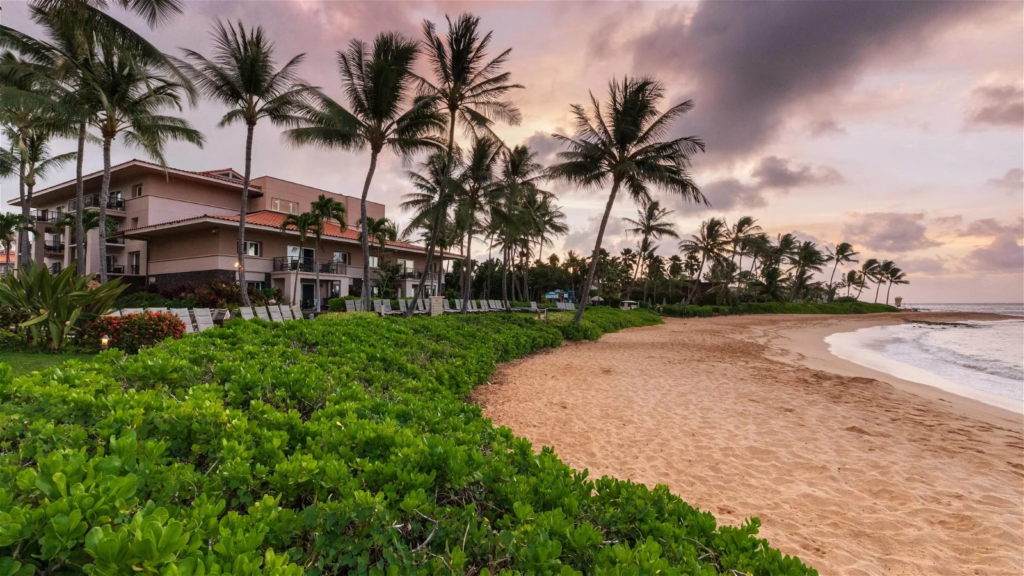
896,126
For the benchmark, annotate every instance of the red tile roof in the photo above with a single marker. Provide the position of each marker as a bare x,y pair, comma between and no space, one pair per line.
274,220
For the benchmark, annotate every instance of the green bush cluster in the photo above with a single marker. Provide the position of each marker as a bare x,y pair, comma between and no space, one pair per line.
855,307
324,447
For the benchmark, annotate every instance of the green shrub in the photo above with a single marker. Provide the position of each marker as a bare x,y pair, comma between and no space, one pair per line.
340,445
12,341
846,307
336,305
131,332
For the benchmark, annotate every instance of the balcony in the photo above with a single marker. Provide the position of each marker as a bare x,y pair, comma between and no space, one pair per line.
118,240
44,215
53,247
93,201
309,265
115,269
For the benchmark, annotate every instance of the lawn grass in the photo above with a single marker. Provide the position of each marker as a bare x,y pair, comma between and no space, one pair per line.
25,362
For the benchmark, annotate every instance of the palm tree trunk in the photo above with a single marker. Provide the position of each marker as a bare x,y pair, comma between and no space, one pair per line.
504,276
29,187
316,268
860,288
364,238
877,288
298,268
79,201
418,295
104,195
22,233
467,275
526,274
243,285
597,252
887,289
696,281
832,277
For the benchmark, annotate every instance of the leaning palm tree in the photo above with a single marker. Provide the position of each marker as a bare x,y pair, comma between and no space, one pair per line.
894,276
130,92
806,259
549,221
881,275
377,82
708,245
852,280
476,192
843,254
13,226
622,145
740,234
869,271
306,224
325,210
650,224
243,76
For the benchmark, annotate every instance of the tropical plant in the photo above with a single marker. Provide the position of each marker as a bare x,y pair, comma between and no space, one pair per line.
13,226
476,191
708,245
769,287
380,231
243,76
740,234
843,254
805,259
305,224
325,210
57,303
881,276
650,224
853,279
377,82
622,144
894,276
869,271
131,332
433,190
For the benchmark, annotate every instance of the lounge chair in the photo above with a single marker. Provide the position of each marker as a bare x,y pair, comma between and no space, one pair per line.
246,312
446,307
275,313
484,307
115,313
570,306
422,307
403,306
296,311
156,310
378,306
185,317
496,305
261,312
204,318
351,305
127,311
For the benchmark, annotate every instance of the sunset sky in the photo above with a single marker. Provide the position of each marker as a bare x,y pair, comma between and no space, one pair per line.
896,126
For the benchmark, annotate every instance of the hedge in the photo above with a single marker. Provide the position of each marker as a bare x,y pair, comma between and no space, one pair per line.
775,308
341,445
131,332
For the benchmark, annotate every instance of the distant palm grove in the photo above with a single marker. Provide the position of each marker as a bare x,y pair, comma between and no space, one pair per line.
92,79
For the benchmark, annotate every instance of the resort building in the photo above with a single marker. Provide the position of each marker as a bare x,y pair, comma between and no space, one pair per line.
173,227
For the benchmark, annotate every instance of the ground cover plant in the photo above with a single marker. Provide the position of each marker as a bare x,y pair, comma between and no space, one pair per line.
854,307
324,447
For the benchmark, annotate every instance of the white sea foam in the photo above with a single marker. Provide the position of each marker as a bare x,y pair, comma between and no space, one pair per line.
979,360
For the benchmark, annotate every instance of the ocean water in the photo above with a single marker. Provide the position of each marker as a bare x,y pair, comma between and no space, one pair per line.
983,360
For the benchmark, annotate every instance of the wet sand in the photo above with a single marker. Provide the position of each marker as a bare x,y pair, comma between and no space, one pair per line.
852,470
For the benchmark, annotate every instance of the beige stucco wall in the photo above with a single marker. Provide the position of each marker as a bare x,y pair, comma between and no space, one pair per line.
305,195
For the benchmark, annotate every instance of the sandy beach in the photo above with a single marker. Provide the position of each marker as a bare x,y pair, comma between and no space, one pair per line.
854,471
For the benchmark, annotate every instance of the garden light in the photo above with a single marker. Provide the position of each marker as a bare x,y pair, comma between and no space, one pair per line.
104,342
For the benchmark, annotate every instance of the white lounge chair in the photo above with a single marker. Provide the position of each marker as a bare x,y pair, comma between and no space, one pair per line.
127,311
353,305
261,312
296,311
157,310
422,307
115,313
246,313
275,313
186,318
204,318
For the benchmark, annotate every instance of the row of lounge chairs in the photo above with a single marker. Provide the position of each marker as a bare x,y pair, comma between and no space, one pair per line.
384,308
200,319
566,306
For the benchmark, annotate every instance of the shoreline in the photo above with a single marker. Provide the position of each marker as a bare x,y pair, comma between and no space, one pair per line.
807,347
850,469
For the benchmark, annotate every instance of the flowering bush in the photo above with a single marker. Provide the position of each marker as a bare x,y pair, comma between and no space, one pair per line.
133,331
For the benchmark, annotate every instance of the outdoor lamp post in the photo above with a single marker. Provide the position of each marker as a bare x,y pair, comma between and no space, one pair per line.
104,342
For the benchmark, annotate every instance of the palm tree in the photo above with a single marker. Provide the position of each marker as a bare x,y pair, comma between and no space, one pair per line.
433,188
806,258
380,231
325,210
650,224
882,275
869,270
894,276
549,220
243,76
708,245
306,224
843,254
769,286
129,92
13,226
623,144
153,11
740,235
516,206
475,194
852,279
377,85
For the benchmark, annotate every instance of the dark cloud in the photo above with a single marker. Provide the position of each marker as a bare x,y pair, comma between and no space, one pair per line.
988,227
749,65
889,232
1012,181
923,266
545,146
728,194
1004,254
775,172
996,107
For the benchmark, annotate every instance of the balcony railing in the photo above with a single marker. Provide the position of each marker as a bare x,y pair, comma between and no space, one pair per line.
115,240
134,270
285,264
56,247
115,269
93,201
44,215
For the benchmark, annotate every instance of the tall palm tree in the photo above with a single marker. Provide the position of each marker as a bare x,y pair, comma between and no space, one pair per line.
709,245
243,76
306,224
549,220
377,82
130,92
379,231
806,258
739,236
623,145
882,275
843,254
325,210
894,276
154,12
434,189
869,271
650,224
852,279
476,193
13,226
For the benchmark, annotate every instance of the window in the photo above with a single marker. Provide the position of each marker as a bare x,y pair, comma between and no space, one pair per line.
286,206
256,285
253,248
136,190
135,261
406,265
373,262
115,195
343,257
